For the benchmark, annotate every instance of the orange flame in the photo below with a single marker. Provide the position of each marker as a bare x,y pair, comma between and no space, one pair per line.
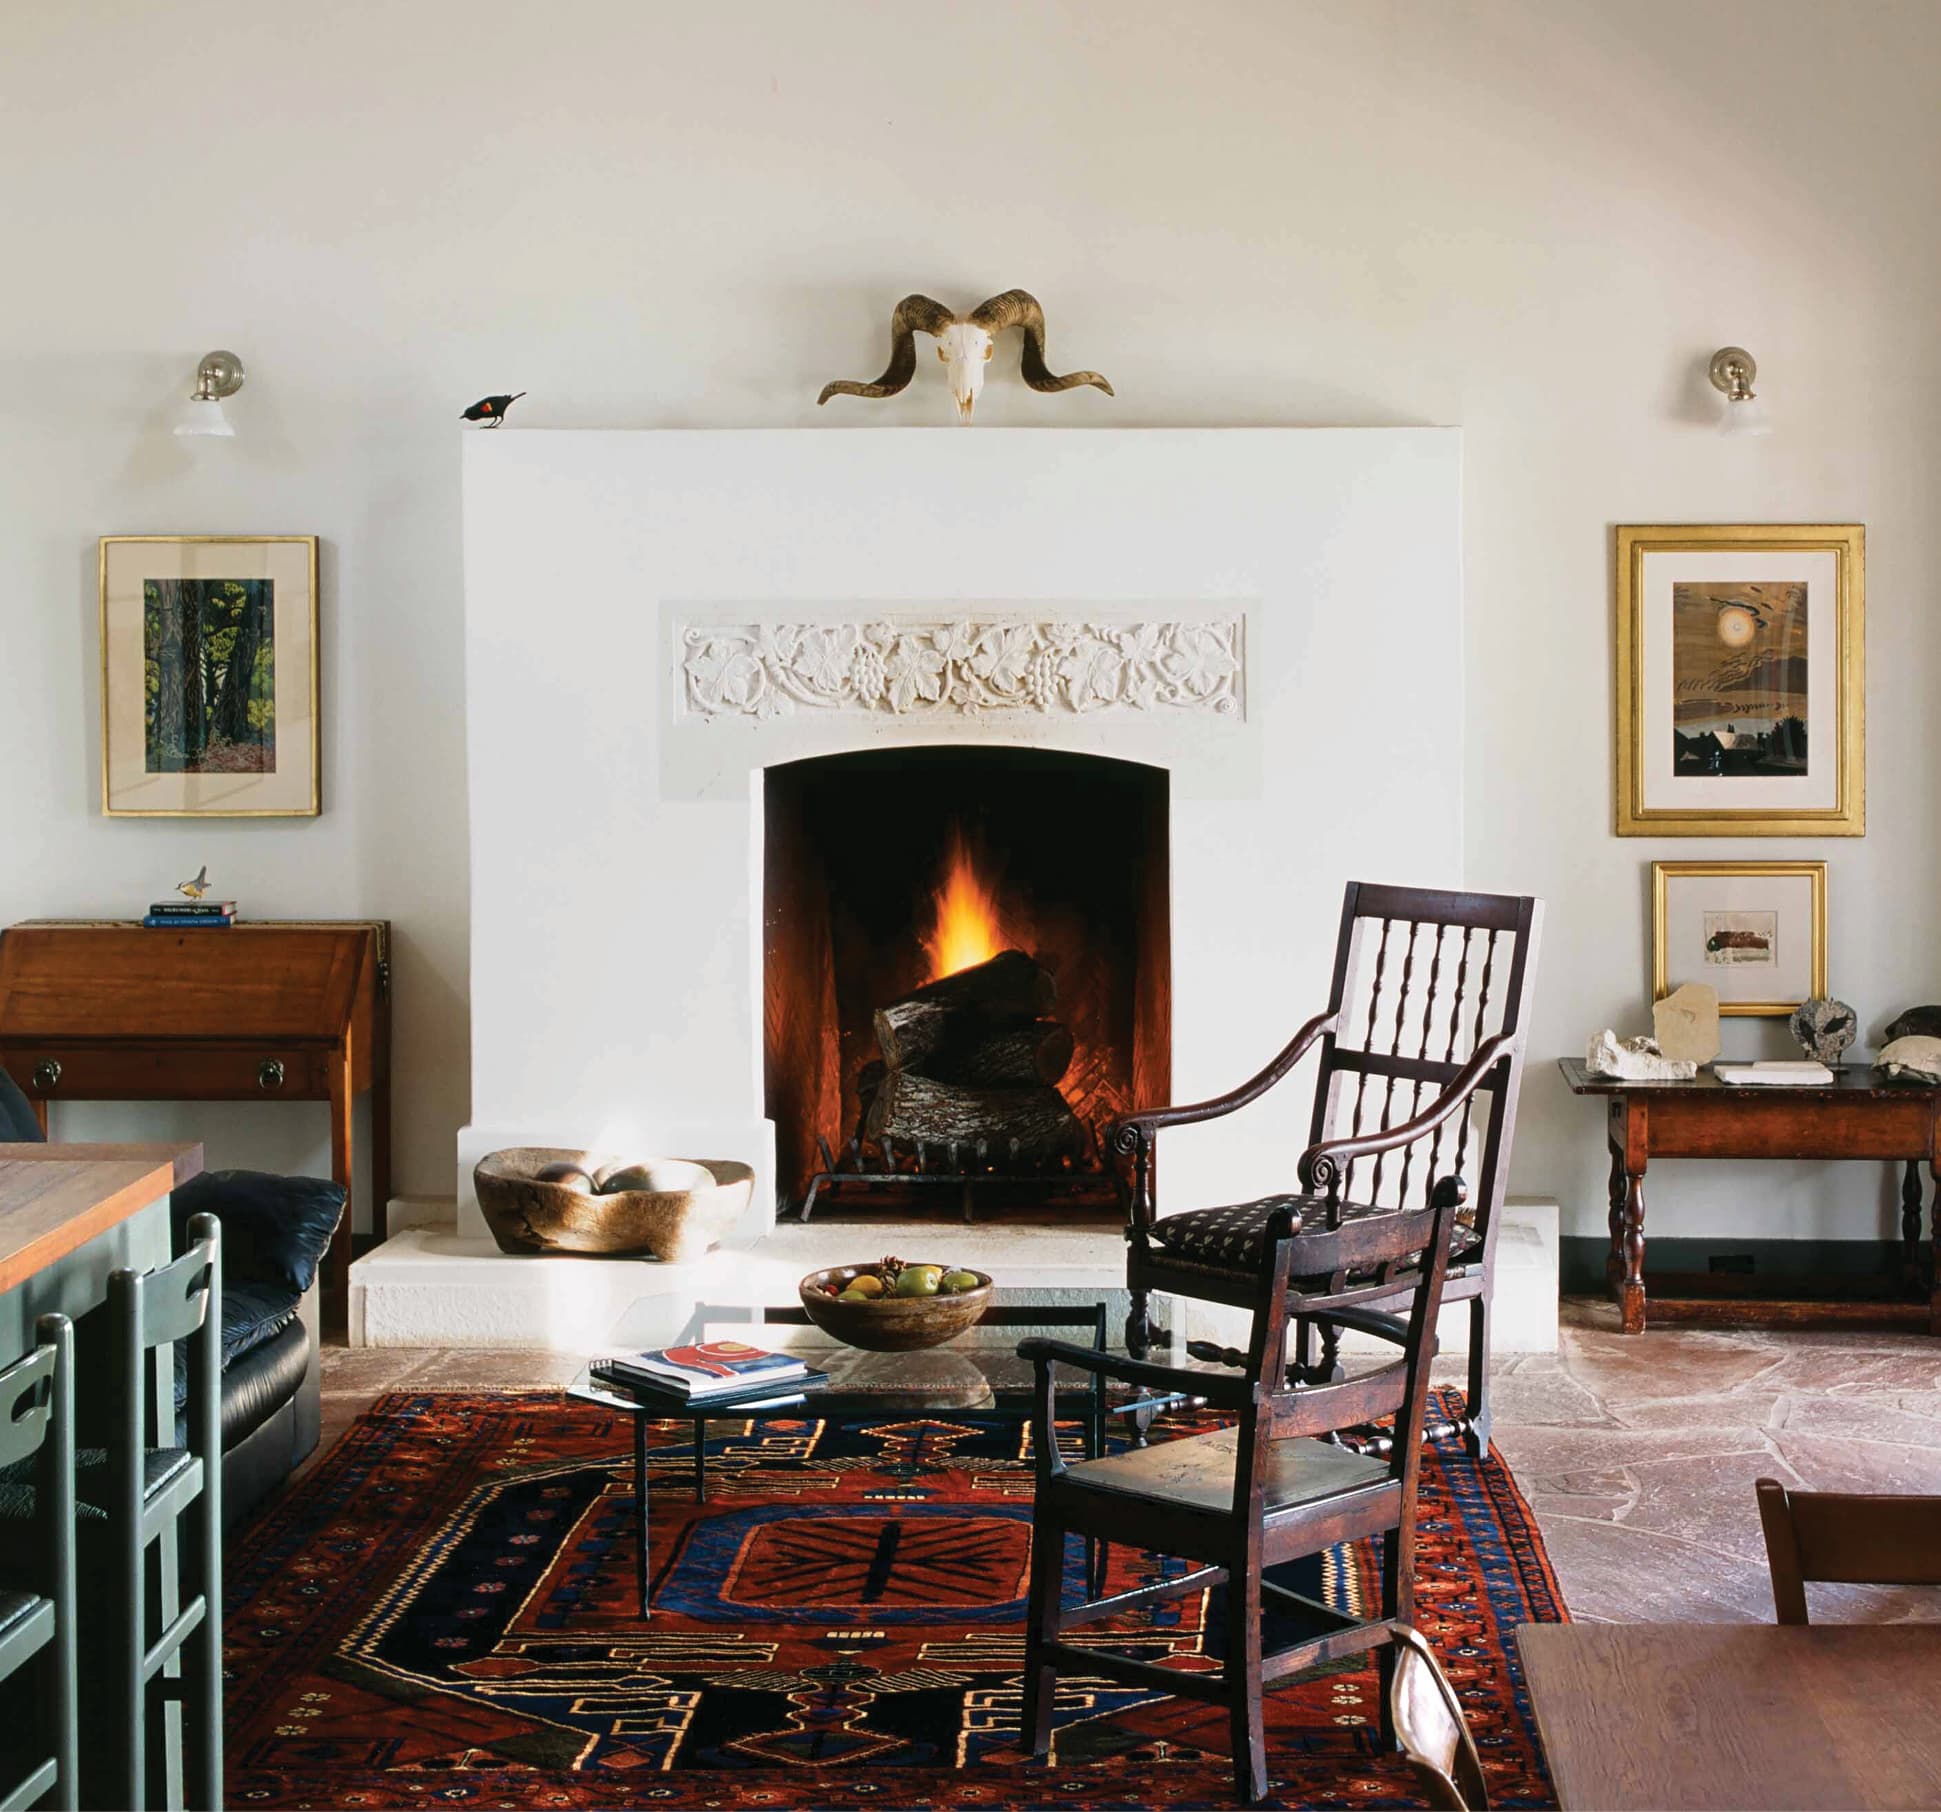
966,929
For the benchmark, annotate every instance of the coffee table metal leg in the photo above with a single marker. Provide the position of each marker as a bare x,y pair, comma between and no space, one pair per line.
640,1513
700,1460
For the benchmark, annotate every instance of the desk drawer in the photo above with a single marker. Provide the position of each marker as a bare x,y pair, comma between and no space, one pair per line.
53,1071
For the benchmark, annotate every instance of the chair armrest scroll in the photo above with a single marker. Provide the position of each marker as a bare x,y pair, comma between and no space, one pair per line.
1128,1134
1323,1164
1222,1393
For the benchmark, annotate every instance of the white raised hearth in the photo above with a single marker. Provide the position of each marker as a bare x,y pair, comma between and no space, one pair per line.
1272,618
430,1286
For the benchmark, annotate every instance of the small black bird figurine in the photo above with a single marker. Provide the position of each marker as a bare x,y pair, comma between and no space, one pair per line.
491,409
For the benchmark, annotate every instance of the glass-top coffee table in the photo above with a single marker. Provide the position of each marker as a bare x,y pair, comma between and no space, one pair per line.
979,1373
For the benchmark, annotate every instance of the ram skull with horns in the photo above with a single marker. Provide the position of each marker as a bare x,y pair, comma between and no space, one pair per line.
965,344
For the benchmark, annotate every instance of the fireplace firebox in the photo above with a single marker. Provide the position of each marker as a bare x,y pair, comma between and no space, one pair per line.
966,974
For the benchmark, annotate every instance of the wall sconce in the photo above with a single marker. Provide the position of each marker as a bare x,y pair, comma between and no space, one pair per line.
219,375
1732,371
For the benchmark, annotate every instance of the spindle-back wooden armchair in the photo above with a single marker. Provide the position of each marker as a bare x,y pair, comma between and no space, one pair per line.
1420,1054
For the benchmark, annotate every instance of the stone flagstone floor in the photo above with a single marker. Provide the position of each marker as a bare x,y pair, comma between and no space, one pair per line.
1638,1455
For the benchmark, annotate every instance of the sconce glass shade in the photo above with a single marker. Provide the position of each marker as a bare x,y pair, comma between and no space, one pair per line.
204,416
1745,419
1732,370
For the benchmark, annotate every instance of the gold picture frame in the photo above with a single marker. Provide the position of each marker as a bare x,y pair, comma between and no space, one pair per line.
1800,588
1794,901
190,726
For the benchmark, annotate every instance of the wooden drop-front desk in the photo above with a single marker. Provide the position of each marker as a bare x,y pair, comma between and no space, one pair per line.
259,1011
1857,1115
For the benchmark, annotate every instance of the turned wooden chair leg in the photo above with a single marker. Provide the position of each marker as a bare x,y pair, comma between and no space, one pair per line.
1398,1606
1042,1624
1476,1436
1245,1718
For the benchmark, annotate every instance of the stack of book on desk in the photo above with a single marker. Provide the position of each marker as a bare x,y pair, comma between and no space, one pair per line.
705,1372
174,914
1779,1074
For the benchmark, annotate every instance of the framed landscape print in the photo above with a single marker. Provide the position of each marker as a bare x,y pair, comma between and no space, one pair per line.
1755,931
1741,669
209,676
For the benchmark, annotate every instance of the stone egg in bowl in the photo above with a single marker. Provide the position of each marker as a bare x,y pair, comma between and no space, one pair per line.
554,1199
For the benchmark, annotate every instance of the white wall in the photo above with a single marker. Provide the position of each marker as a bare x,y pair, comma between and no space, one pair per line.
1534,220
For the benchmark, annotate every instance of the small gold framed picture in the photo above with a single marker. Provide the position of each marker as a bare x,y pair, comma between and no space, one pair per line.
209,676
1742,681
1755,931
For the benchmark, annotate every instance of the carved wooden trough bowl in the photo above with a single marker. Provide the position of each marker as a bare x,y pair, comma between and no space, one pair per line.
686,1207
890,1324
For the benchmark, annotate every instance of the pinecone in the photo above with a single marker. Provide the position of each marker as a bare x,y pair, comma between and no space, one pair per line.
890,1269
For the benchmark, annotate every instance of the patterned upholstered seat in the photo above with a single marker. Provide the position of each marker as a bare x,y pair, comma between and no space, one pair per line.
1234,1238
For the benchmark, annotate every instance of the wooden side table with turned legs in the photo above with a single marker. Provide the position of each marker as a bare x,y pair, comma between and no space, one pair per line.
1855,1116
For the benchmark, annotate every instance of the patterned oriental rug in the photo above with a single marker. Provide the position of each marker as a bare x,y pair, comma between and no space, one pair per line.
442,1613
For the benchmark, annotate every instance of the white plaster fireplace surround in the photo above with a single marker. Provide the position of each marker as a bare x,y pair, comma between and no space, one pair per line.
1274,616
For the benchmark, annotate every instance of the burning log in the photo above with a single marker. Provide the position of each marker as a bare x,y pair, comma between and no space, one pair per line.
1017,1056
990,1125
1003,994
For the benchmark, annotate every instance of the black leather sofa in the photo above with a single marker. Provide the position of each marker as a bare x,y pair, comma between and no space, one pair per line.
274,1232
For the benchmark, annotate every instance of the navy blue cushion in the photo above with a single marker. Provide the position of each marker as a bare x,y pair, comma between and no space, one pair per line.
274,1229
17,1123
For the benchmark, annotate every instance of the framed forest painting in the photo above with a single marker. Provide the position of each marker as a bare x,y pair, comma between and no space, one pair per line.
209,676
1742,672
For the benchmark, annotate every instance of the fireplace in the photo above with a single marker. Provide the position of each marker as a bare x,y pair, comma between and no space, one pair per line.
1262,630
966,973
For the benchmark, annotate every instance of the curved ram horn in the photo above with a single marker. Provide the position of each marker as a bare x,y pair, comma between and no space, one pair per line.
914,315
1019,308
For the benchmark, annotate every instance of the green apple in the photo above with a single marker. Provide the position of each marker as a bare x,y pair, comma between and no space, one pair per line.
919,1280
955,1283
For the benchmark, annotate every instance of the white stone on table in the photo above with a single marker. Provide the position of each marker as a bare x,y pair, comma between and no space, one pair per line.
1634,1060
1687,1023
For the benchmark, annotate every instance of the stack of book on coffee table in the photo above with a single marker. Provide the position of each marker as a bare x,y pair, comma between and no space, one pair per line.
709,1371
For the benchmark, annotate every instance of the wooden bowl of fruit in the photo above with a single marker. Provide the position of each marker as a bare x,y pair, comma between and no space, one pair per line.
894,1307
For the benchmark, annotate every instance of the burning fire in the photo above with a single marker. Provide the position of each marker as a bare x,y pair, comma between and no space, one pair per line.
966,928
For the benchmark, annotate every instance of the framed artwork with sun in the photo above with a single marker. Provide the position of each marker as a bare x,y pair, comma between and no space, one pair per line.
1741,666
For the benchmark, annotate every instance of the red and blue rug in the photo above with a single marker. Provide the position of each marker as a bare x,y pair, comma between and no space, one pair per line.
442,1614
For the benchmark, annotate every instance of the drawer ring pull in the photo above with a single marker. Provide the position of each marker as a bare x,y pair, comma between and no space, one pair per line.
270,1075
47,1074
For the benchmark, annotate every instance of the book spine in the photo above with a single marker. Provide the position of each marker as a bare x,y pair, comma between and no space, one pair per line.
159,921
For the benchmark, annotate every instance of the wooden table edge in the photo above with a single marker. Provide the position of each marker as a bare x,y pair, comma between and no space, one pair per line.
136,1183
183,1156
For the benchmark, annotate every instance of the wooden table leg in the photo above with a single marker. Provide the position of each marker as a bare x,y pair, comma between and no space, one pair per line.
1911,1224
381,1157
1614,1259
1934,1252
1624,1265
336,1281
1631,1288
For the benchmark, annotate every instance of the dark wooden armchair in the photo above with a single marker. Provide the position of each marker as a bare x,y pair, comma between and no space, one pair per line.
1259,1492
1421,1057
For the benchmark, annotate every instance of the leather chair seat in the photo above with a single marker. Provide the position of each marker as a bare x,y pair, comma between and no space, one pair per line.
261,1382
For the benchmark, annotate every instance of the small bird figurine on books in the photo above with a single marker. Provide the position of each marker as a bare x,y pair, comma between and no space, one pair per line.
491,409
194,890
